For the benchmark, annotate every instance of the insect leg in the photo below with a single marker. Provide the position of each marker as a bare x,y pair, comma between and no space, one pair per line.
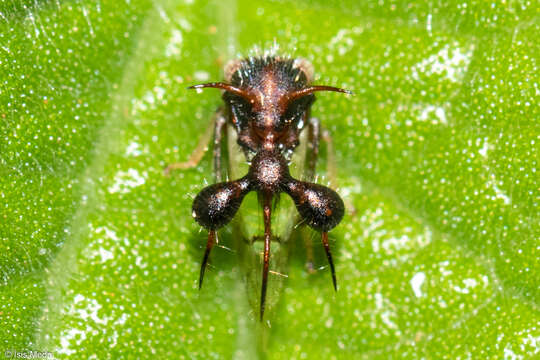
331,167
213,129
329,256
267,206
330,158
219,127
312,154
309,251
209,245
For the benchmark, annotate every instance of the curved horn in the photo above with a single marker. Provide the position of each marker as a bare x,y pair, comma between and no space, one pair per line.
306,91
227,87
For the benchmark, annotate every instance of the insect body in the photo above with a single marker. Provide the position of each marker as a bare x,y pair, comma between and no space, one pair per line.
267,102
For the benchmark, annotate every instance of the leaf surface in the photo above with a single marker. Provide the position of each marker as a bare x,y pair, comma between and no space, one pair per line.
436,156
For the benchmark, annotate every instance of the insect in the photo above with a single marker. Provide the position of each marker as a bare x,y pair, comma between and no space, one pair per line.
267,103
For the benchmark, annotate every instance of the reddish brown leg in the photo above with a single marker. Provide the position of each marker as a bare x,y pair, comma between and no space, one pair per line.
219,124
331,168
312,155
329,256
215,130
330,158
209,245
267,206
309,251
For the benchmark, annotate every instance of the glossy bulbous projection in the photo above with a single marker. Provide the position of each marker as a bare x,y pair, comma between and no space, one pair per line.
320,206
217,204
267,101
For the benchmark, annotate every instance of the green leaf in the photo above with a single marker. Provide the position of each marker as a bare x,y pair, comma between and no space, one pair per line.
436,156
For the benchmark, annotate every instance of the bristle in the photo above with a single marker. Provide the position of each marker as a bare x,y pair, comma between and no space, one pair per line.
251,71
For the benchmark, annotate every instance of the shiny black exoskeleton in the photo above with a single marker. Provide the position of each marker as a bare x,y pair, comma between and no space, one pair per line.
267,101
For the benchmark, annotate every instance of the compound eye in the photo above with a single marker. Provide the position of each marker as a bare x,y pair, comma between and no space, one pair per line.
320,206
296,109
242,109
243,103
216,205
